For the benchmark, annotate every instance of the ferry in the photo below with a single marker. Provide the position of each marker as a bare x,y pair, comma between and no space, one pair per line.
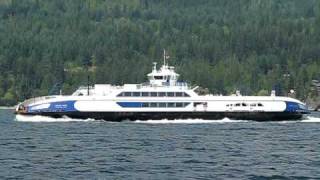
162,97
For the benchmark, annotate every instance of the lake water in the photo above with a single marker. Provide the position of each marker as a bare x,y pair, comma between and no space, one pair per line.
46,148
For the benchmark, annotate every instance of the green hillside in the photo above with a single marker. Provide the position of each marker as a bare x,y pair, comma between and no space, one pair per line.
251,45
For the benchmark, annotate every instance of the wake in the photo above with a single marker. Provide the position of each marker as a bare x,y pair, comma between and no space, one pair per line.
189,121
38,118
311,119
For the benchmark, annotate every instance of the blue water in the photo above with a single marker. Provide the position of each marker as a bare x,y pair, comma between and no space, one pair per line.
44,148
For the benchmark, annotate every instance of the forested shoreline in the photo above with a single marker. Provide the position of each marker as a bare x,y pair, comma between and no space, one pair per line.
247,45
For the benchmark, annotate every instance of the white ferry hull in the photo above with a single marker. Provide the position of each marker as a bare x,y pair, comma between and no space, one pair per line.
209,108
122,116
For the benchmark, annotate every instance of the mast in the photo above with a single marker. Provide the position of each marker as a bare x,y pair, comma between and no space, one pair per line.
88,83
164,57
87,63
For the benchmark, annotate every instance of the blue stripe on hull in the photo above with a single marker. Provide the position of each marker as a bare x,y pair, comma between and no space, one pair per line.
62,106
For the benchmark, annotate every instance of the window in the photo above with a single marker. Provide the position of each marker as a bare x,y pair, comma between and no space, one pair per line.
153,94
244,104
253,105
171,105
179,104
186,95
170,94
136,94
260,105
162,104
185,104
127,94
145,104
120,95
158,77
238,104
153,104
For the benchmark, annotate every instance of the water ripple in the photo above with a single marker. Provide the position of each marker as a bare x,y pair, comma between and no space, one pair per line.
179,149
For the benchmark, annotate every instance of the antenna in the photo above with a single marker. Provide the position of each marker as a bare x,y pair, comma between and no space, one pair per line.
88,83
87,63
164,57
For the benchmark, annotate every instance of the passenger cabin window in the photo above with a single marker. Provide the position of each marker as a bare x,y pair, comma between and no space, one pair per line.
136,94
154,104
260,105
179,104
171,105
162,104
153,94
145,104
243,105
170,94
158,77
185,104
120,95
127,94
186,95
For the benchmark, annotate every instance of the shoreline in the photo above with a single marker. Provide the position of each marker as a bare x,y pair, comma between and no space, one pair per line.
7,107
